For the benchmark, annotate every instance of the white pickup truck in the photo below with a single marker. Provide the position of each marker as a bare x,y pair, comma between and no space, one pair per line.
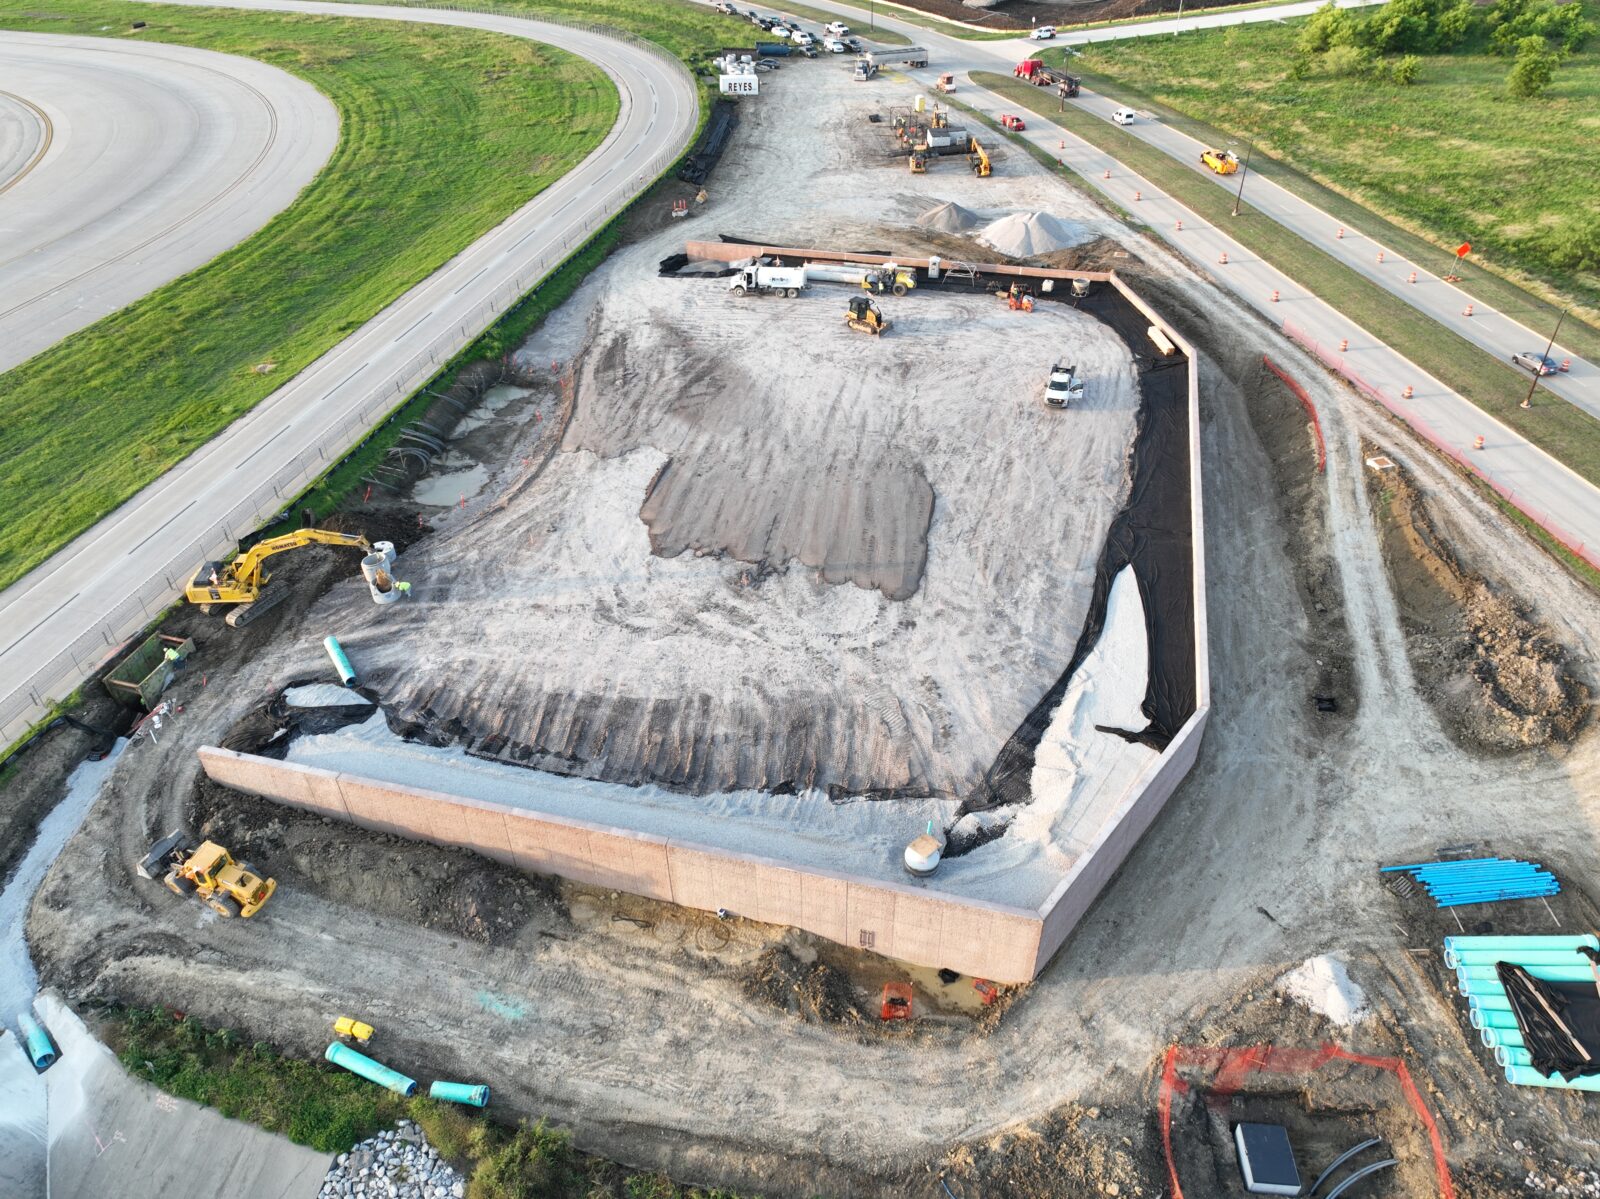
1064,388
775,280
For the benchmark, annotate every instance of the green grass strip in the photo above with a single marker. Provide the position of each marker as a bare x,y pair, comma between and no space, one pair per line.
1485,285
445,131
1564,432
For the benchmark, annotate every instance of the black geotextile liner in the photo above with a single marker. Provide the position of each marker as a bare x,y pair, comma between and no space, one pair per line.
1152,533
1549,1016
714,139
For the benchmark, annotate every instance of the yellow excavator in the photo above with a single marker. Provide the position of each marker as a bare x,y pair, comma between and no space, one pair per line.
864,317
979,158
243,581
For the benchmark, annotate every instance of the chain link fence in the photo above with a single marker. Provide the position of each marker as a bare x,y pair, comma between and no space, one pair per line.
32,698
1334,360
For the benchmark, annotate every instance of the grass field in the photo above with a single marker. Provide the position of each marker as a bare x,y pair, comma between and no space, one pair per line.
444,132
1565,432
1452,158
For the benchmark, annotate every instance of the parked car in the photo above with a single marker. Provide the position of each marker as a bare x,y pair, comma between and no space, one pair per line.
833,45
1042,33
802,38
779,31
1064,388
1528,360
1122,116
854,43
726,9
837,28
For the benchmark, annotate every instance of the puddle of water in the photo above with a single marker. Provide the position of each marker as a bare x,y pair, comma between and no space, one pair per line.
447,490
18,981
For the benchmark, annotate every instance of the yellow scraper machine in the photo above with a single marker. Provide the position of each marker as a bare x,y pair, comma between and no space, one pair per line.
243,582
209,872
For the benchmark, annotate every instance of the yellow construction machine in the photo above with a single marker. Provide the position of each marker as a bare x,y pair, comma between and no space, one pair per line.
1223,162
918,163
242,581
979,158
864,317
207,870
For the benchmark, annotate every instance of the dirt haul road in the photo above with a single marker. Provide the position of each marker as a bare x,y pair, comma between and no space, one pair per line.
641,1038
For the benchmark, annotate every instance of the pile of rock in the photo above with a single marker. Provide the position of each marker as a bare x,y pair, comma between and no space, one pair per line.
393,1165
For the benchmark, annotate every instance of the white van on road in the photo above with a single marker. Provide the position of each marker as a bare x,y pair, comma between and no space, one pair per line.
1122,116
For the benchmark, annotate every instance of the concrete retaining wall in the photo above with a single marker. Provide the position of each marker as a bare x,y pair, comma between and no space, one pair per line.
914,924
925,927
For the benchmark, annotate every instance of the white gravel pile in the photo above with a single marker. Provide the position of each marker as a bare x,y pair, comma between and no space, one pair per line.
950,217
1323,985
1029,234
393,1165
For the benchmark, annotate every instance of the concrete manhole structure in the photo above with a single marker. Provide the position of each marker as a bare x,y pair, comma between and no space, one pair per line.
785,598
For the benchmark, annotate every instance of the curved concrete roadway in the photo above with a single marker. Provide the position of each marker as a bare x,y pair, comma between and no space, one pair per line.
124,164
45,612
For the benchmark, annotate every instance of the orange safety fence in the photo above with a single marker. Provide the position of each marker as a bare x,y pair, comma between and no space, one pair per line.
1230,1067
1305,402
1335,361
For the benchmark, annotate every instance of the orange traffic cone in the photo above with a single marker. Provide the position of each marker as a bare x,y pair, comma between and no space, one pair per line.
1223,258
1467,311
1477,442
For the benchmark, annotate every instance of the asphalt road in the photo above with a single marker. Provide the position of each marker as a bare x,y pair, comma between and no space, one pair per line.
52,607
124,164
1562,501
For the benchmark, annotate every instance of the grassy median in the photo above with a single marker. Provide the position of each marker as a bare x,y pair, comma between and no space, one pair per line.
1566,433
445,131
1450,158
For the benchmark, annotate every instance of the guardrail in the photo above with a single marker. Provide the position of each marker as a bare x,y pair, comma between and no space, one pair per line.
1335,361
32,699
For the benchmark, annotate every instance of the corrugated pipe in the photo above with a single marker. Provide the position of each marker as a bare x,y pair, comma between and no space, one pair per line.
374,1071
460,1092
41,1049
347,674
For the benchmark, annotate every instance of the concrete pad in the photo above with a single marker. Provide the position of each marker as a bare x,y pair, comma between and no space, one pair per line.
112,1135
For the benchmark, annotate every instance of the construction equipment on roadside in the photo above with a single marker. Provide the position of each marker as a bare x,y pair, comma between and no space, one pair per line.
1017,298
888,278
228,888
771,280
947,83
979,158
873,277
941,118
866,68
1034,71
349,1028
865,317
896,1002
918,162
243,581
1223,162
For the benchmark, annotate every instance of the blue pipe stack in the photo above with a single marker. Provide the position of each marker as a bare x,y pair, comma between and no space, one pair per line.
1488,1009
1481,880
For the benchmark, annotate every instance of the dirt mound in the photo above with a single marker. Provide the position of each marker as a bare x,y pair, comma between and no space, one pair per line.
1498,679
1029,234
814,991
950,217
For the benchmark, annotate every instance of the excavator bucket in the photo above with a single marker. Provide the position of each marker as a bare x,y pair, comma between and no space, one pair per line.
164,853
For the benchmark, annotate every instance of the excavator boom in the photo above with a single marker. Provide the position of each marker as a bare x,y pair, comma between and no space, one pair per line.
241,581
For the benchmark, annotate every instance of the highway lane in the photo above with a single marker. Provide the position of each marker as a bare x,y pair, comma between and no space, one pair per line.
168,527
124,164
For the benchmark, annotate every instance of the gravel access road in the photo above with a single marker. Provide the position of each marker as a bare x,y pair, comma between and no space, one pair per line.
390,356
125,164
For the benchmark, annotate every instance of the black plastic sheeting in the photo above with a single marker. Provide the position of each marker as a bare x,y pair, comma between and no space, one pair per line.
713,140
1575,1005
1151,533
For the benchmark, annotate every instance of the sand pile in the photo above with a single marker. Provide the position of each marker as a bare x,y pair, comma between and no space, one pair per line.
1029,234
950,217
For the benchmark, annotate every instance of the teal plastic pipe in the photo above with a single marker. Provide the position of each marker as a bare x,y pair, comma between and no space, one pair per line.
1527,1076
359,1063
41,1050
1550,974
1571,941
1512,1055
1502,1036
1496,1020
1529,958
347,674
460,1092
1489,1001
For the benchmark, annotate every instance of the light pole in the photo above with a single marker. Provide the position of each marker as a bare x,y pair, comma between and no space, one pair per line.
1527,400
1243,171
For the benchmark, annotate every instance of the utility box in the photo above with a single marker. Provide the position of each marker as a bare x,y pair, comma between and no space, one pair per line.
141,677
